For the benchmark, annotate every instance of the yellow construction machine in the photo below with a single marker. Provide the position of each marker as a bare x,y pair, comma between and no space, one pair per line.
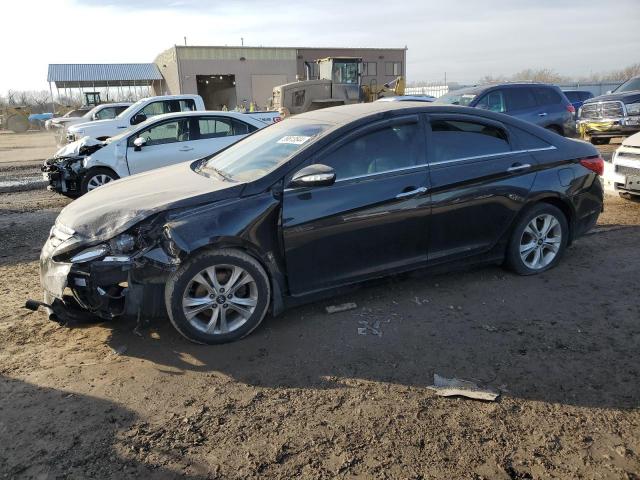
339,83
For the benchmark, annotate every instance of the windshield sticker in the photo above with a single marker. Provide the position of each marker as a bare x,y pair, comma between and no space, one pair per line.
294,139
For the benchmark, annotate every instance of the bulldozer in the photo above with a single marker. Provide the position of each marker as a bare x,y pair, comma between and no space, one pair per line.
339,83
16,119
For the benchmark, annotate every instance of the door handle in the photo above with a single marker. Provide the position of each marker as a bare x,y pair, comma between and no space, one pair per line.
542,114
185,149
518,167
412,193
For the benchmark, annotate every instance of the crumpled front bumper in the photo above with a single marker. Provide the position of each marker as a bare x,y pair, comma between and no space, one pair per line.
609,127
61,177
107,288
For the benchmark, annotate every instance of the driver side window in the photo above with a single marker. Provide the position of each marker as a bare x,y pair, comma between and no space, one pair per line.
390,148
167,132
493,101
155,108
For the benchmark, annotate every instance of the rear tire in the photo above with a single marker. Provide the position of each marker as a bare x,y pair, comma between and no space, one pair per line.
96,177
538,240
599,141
218,296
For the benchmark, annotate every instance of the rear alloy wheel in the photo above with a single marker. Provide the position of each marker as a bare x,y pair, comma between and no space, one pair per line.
96,177
218,296
538,240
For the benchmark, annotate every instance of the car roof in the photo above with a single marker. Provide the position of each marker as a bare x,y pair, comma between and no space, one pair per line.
198,113
345,114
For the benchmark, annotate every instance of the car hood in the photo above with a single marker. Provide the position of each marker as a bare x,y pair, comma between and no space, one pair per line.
624,97
93,124
79,147
111,209
632,141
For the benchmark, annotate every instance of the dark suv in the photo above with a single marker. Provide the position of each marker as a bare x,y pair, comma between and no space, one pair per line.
539,103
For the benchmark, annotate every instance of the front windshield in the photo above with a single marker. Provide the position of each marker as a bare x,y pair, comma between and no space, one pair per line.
265,150
457,98
125,113
629,85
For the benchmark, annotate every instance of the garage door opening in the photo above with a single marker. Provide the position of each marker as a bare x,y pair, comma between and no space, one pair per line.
217,91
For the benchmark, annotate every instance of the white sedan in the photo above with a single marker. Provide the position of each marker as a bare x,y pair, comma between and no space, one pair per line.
162,140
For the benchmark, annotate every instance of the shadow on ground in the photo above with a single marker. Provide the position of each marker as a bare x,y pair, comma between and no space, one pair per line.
556,337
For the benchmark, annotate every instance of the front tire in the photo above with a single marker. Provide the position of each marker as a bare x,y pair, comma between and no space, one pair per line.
538,240
218,296
96,177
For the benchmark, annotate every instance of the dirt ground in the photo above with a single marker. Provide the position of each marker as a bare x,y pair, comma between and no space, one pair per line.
307,396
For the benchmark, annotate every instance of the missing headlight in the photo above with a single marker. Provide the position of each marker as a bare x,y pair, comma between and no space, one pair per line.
123,243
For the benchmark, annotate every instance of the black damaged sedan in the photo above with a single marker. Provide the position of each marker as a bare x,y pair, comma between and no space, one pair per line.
319,201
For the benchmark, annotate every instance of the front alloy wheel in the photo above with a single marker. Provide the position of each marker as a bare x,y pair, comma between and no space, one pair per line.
218,296
220,299
97,177
538,240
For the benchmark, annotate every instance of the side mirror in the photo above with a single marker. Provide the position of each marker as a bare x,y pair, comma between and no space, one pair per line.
138,118
94,117
138,143
316,175
609,92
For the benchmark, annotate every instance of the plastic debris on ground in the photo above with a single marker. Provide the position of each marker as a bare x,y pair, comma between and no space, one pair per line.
451,387
343,307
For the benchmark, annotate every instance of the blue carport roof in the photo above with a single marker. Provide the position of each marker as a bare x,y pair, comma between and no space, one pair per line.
73,75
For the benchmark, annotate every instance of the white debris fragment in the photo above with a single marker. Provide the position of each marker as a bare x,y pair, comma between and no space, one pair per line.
449,387
341,308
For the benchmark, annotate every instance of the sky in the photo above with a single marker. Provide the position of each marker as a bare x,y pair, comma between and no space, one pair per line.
467,39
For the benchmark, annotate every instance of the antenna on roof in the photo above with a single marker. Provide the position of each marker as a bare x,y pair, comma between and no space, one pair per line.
185,41
242,41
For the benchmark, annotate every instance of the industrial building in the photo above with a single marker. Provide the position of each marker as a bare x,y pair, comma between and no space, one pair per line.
222,76
230,76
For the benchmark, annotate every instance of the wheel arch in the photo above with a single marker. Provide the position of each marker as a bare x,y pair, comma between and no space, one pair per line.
563,204
267,262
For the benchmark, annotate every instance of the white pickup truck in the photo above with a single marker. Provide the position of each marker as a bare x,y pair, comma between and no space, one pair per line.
135,114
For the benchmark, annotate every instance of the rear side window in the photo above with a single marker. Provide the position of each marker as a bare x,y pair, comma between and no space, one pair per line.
215,127
121,109
454,140
573,96
380,151
493,101
528,141
241,128
547,96
519,99
187,105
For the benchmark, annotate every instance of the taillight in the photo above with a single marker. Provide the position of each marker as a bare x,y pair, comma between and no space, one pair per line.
571,108
595,164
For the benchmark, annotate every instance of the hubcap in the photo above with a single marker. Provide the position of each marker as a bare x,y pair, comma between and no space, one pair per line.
540,242
98,180
220,299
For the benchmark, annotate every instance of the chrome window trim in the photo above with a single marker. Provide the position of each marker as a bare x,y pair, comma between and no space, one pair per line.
444,162
492,155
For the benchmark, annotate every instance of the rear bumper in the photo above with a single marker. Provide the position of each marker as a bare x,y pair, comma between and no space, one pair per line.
589,204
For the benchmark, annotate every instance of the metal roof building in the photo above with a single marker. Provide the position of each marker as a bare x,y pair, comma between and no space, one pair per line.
79,75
